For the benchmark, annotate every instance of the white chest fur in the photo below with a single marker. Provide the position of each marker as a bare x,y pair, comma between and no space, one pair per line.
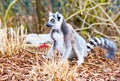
59,39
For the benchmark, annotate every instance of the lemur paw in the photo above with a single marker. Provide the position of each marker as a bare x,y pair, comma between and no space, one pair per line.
80,61
43,56
47,57
64,61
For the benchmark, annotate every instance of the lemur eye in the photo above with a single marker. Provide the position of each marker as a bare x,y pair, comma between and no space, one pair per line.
52,20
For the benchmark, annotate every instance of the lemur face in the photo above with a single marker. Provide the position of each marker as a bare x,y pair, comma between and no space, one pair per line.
54,19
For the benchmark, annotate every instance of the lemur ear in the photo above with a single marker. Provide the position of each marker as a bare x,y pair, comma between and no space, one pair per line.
50,13
57,13
58,16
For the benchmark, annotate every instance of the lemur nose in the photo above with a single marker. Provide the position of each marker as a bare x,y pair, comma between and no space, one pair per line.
47,25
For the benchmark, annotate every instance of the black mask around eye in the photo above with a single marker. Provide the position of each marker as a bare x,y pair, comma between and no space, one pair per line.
52,20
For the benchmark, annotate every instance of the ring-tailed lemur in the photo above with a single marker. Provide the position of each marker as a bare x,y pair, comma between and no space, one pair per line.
70,44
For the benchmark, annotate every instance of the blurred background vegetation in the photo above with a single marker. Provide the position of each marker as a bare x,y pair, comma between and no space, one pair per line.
89,17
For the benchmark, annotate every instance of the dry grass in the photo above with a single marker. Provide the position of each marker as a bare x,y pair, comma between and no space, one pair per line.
58,71
11,40
54,69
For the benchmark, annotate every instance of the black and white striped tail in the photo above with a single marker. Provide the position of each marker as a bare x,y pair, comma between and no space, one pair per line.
105,43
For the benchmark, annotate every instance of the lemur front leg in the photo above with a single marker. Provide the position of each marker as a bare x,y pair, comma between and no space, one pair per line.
50,52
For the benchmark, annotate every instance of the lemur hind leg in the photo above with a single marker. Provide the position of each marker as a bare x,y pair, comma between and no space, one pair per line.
79,56
79,46
71,46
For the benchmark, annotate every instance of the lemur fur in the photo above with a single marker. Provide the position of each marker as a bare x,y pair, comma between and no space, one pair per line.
70,44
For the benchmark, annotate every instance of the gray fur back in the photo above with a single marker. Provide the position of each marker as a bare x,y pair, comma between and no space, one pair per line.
81,44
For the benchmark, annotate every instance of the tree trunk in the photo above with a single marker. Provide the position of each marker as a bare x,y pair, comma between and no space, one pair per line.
39,9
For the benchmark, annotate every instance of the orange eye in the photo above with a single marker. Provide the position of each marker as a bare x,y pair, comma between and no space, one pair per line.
52,20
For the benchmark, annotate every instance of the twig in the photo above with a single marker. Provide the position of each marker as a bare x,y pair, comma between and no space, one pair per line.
87,9
8,10
110,19
97,6
74,14
105,35
116,17
93,64
101,33
98,17
92,25
84,20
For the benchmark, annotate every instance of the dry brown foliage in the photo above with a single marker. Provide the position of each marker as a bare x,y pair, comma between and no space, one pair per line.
32,67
